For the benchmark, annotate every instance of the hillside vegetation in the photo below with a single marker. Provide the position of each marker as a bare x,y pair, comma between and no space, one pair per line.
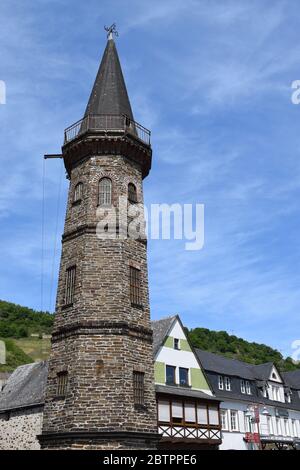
227,345
18,323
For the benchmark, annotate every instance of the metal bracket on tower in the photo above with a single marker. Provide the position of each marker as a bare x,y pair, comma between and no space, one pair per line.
52,155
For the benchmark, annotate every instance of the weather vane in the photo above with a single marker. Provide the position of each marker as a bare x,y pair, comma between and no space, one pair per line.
111,31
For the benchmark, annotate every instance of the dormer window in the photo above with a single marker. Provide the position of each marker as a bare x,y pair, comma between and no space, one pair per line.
221,382
243,386
227,384
248,388
176,343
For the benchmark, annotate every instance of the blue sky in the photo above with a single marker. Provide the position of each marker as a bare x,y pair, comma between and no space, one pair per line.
212,80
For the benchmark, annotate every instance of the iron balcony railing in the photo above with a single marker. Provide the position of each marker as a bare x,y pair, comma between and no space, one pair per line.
104,123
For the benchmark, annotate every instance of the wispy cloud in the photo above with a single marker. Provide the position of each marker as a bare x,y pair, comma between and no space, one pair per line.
211,79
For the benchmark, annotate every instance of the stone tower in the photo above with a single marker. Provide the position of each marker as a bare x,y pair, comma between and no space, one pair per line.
100,390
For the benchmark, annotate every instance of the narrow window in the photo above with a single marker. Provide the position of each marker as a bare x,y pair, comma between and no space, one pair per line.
248,388
170,375
221,382
202,414
233,420
104,192
177,412
176,343
269,425
138,388
183,376
78,192
227,384
164,411
70,285
132,194
62,383
213,415
190,412
135,287
243,388
224,422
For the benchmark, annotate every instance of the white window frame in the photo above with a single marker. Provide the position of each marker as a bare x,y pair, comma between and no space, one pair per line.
270,425
248,387
221,382
243,387
227,384
224,414
236,420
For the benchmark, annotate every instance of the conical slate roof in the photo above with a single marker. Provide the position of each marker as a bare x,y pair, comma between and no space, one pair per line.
109,94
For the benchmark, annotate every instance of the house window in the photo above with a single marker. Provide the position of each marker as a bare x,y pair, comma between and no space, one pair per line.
183,376
243,387
269,425
202,416
70,285
138,388
294,429
170,375
176,343
177,412
78,192
221,382
104,192
233,420
164,411
190,412
213,415
132,194
224,420
278,426
135,286
275,393
248,388
62,384
227,384
286,427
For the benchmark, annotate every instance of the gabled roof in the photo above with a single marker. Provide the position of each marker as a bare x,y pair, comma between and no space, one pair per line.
292,378
109,94
263,371
161,329
25,387
224,365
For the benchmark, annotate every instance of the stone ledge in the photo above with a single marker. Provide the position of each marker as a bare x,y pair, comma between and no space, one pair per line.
102,327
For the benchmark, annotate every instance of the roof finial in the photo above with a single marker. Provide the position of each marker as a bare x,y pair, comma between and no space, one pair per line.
111,31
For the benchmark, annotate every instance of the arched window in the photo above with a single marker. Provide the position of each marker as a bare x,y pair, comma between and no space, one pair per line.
104,191
132,194
78,192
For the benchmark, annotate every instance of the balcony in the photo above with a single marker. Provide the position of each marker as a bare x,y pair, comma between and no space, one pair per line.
107,124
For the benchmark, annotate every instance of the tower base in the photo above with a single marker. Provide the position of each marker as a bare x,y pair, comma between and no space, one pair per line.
108,440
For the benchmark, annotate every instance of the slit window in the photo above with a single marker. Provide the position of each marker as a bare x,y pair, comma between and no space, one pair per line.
138,388
70,285
135,286
62,383
78,192
132,193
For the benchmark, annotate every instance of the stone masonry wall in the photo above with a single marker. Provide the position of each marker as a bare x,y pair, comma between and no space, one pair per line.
101,339
20,430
